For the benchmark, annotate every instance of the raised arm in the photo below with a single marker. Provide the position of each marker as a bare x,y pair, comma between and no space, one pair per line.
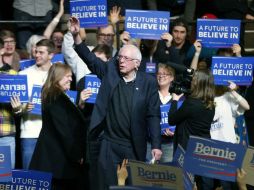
198,48
52,25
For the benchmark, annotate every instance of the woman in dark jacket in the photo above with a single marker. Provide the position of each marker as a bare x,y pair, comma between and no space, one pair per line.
60,148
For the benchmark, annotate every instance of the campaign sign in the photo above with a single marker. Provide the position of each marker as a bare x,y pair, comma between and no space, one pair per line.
36,99
178,160
146,24
214,159
25,63
248,165
26,179
58,58
13,85
72,95
5,164
164,117
93,83
218,33
155,175
91,13
236,69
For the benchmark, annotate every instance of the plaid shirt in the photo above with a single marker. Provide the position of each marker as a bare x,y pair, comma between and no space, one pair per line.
7,124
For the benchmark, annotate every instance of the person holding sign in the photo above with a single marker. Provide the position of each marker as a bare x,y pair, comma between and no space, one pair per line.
165,76
60,148
128,106
7,123
36,75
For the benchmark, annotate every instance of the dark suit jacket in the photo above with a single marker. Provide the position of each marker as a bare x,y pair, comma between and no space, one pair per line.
145,115
61,143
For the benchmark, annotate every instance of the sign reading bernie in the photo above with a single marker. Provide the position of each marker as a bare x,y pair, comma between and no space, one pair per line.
218,33
146,24
91,13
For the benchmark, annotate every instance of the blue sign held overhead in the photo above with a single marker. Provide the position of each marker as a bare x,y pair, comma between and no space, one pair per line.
5,164
214,159
93,83
146,24
91,13
236,69
13,85
218,33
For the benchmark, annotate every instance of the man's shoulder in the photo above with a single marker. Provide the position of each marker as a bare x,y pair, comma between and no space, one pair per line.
28,70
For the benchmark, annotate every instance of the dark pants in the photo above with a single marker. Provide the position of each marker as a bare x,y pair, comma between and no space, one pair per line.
112,154
64,184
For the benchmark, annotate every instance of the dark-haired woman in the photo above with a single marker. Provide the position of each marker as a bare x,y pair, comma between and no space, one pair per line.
61,145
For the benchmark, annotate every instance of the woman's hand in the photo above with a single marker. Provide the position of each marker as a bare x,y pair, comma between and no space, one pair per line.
176,96
84,95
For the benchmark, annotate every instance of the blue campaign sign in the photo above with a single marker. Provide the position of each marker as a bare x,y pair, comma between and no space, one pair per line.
164,117
218,33
58,58
146,24
91,13
13,85
36,99
92,82
214,159
25,63
25,179
5,164
178,161
236,69
72,95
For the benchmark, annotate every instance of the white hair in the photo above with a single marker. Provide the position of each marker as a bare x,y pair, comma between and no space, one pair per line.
136,53
32,42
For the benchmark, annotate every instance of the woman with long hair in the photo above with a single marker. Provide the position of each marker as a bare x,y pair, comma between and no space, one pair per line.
60,149
196,114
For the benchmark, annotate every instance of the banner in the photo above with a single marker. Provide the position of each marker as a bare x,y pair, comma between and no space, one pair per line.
178,161
58,58
236,69
28,180
248,165
164,117
146,24
13,85
36,99
155,175
5,164
93,83
91,13
214,159
218,33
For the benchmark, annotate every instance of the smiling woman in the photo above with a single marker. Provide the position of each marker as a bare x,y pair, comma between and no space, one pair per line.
61,143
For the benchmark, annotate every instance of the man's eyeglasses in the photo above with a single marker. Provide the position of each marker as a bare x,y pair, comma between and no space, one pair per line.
125,58
106,35
11,42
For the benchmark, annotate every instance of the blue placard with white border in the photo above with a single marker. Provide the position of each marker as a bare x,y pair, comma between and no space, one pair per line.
236,69
164,117
36,100
13,85
28,179
25,63
91,13
218,33
72,95
178,160
146,24
93,83
5,164
214,159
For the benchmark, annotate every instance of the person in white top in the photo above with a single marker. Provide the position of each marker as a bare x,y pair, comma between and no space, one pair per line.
36,75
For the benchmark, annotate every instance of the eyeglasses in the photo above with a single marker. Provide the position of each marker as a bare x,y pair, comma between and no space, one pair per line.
106,35
11,42
162,75
125,58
